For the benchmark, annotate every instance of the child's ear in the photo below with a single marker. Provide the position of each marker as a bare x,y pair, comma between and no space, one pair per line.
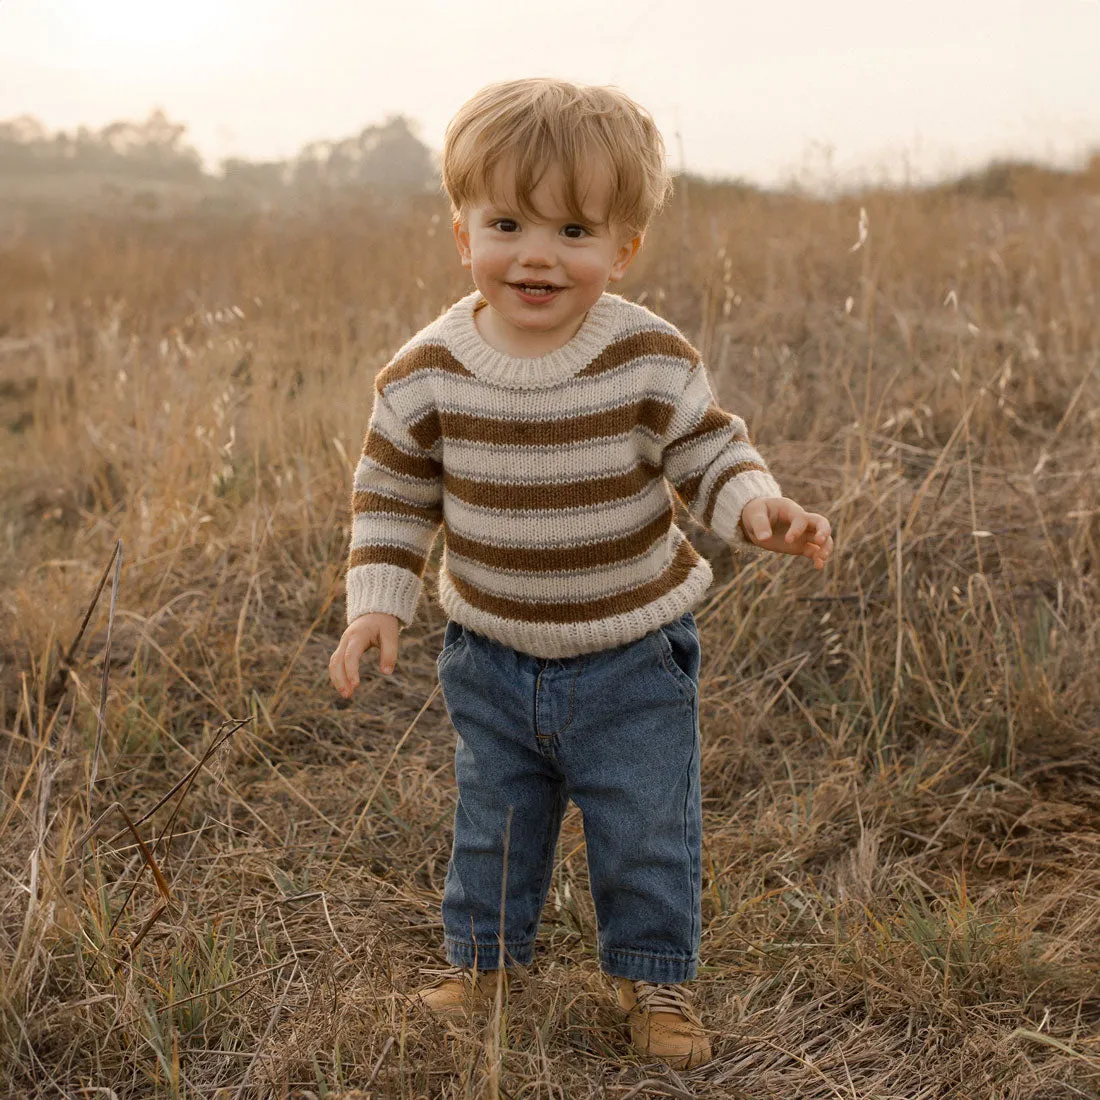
462,239
627,251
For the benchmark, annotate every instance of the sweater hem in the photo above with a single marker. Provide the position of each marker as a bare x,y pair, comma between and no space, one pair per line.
556,640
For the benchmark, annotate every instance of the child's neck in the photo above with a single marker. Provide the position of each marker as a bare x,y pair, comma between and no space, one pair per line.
505,339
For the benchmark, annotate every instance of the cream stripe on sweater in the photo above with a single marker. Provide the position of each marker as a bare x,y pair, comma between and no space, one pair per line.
550,476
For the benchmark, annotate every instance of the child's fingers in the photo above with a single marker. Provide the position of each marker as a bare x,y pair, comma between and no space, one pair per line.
754,519
821,527
336,666
387,653
819,553
798,527
350,664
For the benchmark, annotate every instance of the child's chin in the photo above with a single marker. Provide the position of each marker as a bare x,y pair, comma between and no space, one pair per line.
542,324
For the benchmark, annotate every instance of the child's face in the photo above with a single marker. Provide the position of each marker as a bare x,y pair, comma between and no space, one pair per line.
503,250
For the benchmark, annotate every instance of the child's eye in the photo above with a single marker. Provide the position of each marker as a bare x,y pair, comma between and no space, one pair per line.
506,225
582,232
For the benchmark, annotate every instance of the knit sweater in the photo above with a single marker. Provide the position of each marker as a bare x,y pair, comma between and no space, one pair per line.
550,476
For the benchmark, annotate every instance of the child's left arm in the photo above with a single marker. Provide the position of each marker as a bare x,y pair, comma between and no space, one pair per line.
725,483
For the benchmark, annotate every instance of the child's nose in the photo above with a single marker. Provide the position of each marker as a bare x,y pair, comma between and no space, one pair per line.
537,251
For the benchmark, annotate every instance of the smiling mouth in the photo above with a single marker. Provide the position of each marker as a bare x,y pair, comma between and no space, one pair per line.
536,288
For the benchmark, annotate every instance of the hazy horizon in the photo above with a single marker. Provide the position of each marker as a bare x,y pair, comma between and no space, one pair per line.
737,90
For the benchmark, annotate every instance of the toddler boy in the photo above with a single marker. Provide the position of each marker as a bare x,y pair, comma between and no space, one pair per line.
540,419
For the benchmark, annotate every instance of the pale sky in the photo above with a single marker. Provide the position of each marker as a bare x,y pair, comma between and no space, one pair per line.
756,89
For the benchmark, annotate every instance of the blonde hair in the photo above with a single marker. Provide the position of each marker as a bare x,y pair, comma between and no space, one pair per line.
541,122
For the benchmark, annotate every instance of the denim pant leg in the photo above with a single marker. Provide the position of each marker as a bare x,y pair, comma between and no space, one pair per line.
631,760
499,768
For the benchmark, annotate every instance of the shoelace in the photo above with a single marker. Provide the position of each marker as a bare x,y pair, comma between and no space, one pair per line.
655,997
449,973
446,973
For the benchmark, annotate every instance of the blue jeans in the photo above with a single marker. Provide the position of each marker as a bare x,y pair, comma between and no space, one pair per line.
618,732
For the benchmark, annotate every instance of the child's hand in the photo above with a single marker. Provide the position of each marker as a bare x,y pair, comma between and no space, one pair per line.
779,524
376,628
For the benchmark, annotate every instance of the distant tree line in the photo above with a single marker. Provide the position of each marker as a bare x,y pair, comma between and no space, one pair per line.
386,156
147,150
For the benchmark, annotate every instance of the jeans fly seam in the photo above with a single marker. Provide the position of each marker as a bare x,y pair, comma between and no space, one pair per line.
568,721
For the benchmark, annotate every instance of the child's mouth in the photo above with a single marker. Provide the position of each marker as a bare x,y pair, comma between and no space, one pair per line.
534,292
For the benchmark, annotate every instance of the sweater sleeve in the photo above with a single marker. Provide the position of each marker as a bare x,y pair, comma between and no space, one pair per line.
396,509
711,462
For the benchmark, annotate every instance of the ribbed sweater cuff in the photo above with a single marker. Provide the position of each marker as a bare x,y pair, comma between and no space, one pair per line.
732,498
387,588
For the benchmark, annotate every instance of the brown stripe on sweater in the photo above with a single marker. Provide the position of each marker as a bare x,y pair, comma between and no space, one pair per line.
621,603
566,494
388,555
364,500
437,357
723,477
713,419
379,449
421,357
427,429
649,413
591,555
636,345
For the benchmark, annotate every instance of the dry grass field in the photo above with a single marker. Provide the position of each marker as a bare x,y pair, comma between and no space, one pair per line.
901,769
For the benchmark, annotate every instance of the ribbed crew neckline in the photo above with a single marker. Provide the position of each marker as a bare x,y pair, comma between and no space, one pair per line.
519,372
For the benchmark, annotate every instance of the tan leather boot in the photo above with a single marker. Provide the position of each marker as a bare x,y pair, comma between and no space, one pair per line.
663,1025
455,991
